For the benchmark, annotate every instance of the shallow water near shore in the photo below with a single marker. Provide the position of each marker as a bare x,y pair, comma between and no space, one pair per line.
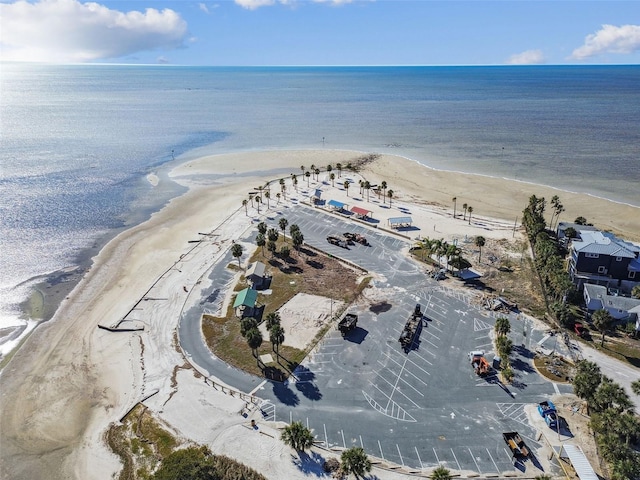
79,141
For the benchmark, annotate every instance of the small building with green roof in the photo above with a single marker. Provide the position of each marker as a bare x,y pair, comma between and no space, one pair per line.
245,302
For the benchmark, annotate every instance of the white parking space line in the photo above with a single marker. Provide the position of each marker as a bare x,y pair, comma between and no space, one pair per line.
456,459
474,460
395,389
380,447
434,452
343,441
494,463
401,459
419,459
361,444
326,439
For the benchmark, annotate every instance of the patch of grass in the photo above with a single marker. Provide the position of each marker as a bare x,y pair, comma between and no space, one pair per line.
555,369
303,272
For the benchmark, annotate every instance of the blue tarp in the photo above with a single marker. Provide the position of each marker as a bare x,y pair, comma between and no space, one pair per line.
336,204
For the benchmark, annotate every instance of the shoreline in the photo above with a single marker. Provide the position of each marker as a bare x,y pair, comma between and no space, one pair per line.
68,380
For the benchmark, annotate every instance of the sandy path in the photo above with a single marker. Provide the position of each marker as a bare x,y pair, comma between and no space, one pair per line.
70,380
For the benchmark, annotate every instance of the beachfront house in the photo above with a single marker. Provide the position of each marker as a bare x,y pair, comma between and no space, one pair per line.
601,258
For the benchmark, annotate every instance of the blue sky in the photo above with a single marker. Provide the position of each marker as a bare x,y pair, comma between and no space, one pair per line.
321,32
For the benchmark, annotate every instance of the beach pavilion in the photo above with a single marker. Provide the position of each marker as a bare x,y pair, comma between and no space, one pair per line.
400,222
245,302
361,213
336,205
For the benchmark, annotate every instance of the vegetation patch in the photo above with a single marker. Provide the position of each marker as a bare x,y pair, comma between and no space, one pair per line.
302,271
554,368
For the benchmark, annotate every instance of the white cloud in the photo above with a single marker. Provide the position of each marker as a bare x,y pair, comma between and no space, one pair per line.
69,31
529,57
203,7
609,39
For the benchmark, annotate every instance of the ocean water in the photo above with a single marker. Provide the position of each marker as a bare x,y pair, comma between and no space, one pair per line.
78,141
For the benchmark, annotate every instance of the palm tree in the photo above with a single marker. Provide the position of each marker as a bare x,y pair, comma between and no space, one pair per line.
273,235
383,186
297,436
297,239
236,251
272,319
480,242
603,321
346,186
295,183
267,195
332,176
307,174
283,222
504,346
339,167
464,207
262,228
329,168
317,171
258,201
470,210
302,168
367,187
278,195
354,460
586,380
312,168
441,473
254,340
261,241
276,336
390,195
502,326
455,200
281,182
635,387
610,395
246,324
244,204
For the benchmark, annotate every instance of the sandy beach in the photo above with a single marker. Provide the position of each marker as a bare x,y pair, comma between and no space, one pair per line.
70,380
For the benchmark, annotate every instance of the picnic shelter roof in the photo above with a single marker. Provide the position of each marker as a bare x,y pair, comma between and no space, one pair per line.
257,269
318,193
360,211
246,297
337,204
397,220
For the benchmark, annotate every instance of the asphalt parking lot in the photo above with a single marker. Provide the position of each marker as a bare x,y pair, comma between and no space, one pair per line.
418,408
421,408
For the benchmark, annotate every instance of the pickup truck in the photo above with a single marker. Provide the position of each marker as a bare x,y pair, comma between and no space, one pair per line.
547,410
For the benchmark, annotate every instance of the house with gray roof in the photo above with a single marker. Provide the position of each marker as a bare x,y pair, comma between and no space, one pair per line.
602,258
621,308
